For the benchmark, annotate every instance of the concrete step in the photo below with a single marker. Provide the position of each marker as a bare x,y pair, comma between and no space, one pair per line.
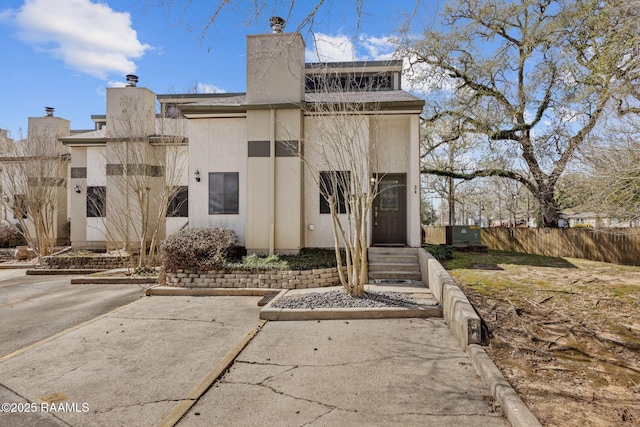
405,275
396,259
392,266
392,251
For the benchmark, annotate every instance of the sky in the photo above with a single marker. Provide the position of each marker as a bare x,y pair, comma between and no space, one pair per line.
65,53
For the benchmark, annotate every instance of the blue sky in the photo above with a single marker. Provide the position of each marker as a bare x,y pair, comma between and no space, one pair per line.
65,53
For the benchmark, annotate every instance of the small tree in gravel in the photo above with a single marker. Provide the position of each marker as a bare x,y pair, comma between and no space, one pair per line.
342,158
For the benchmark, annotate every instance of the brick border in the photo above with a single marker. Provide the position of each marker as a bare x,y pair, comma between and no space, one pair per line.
274,279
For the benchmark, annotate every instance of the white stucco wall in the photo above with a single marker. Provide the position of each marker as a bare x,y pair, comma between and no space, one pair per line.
217,145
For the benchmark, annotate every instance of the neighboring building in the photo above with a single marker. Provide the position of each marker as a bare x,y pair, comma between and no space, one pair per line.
243,169
34,171
576,218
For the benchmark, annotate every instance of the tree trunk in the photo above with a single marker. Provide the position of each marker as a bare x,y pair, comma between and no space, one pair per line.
548,206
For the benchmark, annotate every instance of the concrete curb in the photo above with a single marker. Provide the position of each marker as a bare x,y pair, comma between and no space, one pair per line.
59,272
513,407
463,321
114,281
15,266
161,290
273,314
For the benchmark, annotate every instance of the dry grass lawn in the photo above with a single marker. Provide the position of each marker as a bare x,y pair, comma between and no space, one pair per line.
565,332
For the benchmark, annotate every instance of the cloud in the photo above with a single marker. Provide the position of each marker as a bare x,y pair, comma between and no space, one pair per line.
336,48
208,88
88,37
329,48
378,48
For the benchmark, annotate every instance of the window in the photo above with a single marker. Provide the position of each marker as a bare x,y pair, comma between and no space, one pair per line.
96,202
223,193
331,182
178,204
19,206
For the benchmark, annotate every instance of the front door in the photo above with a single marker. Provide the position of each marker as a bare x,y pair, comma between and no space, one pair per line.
390,211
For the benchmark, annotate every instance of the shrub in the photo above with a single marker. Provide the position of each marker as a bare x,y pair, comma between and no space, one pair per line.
199,249
440,252
10,236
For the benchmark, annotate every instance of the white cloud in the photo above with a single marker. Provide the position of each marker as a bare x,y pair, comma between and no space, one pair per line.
329,48
88,37
208,88
378,48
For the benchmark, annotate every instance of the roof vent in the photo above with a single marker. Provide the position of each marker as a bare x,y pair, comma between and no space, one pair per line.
277,24
48,111
132,80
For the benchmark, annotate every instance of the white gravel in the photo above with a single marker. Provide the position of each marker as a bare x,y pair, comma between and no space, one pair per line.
340,299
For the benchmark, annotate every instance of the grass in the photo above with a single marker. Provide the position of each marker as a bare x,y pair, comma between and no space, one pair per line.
499,260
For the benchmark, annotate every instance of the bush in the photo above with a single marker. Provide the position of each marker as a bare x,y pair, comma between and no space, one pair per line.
10,236
200,249
440,252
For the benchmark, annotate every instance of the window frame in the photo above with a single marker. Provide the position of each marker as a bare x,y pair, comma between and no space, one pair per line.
178,205
226,201
324,181
96,201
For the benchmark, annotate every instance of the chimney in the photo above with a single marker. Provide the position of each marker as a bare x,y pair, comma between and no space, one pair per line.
48,111
277,24
132,80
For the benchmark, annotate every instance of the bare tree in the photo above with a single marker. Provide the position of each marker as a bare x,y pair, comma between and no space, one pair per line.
609,183
144,174
34,185
342,158
530,79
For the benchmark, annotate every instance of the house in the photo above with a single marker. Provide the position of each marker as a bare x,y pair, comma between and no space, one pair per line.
33,179
241,150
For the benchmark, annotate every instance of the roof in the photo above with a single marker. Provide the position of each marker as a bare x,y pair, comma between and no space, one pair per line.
101,135
384,99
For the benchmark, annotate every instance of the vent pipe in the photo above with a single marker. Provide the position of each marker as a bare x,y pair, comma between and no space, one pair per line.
48,111
132,80
277,24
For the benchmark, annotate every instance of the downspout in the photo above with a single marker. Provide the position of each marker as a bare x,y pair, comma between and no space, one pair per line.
272,180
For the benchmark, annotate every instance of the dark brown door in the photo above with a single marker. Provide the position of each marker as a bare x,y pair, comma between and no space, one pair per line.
390,211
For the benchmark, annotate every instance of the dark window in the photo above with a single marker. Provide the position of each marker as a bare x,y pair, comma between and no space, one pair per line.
96,202
178,204
331,183
19,206
223,193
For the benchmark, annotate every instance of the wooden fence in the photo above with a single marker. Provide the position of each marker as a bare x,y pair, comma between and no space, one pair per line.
618,246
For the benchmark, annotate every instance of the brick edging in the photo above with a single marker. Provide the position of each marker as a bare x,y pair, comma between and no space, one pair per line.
288,279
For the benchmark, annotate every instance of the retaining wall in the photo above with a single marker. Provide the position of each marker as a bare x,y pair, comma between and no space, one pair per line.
461,317
294,279
83,262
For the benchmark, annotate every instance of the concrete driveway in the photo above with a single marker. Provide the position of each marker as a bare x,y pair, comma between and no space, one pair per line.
163,360
33,308
132,367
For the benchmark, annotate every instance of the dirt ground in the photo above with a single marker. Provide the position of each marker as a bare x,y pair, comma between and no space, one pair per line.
564,332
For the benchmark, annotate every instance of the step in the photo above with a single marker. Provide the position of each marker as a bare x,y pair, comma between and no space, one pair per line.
392,251
396,259
406,275
391,266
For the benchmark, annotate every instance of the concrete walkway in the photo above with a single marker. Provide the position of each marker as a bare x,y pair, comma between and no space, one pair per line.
152,363
391,372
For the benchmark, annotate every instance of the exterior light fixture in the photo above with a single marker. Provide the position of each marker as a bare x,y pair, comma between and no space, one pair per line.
197,175
76,188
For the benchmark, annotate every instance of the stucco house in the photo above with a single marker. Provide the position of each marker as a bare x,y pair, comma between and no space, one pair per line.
242,151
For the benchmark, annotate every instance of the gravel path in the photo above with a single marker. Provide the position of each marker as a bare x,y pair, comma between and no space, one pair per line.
340,299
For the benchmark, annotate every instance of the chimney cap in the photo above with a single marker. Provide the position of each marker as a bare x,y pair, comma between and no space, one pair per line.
49,111
132,80
277,24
